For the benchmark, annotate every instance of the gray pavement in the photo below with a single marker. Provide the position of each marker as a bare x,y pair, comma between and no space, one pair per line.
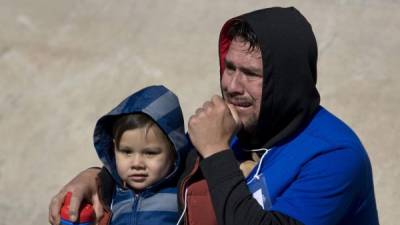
65,63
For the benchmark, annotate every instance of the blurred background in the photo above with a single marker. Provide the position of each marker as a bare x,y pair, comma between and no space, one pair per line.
65,63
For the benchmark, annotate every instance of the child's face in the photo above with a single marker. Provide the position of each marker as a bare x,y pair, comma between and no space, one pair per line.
143,158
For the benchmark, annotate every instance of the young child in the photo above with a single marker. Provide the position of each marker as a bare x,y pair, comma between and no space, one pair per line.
141,142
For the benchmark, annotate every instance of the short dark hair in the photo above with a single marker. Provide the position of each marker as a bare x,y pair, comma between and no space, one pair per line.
241,29
129,122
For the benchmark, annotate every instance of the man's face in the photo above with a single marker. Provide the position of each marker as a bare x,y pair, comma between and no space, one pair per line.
144,156
242,82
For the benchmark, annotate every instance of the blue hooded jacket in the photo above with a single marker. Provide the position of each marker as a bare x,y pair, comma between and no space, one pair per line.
156,204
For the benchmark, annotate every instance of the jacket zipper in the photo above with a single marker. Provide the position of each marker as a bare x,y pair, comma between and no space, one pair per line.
136,199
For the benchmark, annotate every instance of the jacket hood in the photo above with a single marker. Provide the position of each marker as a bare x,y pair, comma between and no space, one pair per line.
157,102
289,55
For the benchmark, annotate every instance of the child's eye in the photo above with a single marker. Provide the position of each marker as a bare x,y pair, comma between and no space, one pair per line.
125,151
150,153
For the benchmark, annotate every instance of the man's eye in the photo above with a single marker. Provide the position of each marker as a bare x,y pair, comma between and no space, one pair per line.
250,73
230,68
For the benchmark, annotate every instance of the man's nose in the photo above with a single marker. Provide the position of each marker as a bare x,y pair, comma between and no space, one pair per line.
235,84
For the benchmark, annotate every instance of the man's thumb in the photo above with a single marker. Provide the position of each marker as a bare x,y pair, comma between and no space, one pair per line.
98,208
235,116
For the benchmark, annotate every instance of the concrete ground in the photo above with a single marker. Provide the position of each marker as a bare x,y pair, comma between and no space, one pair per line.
64,63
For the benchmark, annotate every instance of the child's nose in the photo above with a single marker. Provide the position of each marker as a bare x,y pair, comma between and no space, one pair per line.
137,162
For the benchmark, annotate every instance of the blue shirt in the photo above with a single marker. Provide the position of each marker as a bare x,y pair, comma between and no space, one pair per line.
322,176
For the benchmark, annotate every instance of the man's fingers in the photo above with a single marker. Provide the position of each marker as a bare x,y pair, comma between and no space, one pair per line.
217,98
55,207
198,111
235,116
208,104
76,201
98,208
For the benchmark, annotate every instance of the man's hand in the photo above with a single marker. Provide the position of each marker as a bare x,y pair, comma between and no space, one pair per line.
82,187
212,126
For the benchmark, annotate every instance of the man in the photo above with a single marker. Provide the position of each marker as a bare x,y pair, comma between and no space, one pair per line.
313,169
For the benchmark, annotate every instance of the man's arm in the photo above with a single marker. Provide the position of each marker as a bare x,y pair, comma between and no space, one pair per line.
210,130
83,186
323,193
233,202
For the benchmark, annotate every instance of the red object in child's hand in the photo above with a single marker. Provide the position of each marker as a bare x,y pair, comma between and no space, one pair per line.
86,212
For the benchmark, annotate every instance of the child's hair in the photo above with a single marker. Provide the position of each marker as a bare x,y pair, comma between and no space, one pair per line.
134,121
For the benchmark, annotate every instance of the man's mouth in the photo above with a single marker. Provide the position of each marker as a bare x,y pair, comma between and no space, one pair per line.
240,103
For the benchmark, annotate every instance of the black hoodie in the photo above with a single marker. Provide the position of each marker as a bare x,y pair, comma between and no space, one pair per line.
289,101
289,55
300,176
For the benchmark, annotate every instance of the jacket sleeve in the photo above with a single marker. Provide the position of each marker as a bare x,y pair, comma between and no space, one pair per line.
232,200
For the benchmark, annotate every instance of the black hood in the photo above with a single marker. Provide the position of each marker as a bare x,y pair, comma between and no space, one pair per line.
289,55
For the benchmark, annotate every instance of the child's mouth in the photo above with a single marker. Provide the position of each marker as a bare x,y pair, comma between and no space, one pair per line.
138,177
